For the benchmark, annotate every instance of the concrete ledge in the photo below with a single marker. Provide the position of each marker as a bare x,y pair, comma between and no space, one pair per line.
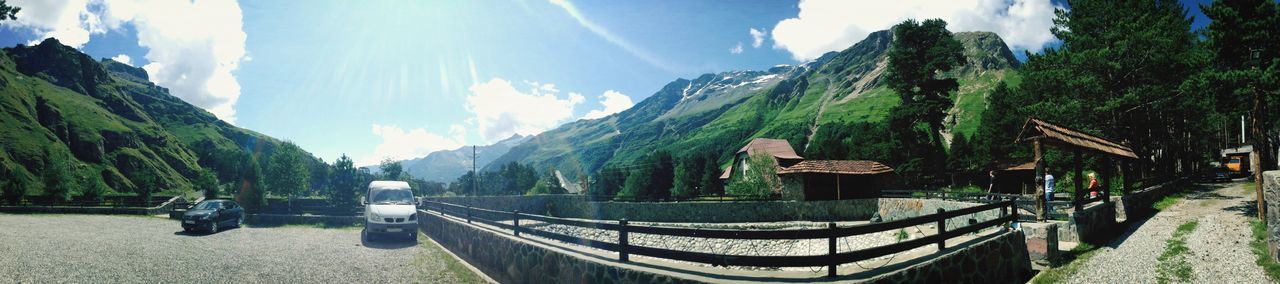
1042,242
1096,223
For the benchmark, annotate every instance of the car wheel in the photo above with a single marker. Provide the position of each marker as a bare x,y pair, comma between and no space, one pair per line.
240,222
213,227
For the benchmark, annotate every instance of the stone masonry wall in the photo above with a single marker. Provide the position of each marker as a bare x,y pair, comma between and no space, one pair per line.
901,208
508,260
1002,259
1271,201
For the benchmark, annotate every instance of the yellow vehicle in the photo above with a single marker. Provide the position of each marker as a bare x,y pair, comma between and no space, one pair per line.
1238,165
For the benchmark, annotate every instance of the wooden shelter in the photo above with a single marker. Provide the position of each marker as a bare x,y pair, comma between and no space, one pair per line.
1041,134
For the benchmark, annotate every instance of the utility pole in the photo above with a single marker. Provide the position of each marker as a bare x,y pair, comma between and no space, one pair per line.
475,184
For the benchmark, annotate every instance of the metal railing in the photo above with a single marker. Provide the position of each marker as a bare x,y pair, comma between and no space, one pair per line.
833,258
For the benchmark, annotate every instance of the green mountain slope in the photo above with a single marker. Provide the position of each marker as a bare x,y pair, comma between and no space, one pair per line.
110,123
718,113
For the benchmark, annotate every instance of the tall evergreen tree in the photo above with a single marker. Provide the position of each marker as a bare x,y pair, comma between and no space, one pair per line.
922,51
343,181
287,173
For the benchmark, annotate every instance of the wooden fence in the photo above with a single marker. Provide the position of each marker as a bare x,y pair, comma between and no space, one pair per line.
833,258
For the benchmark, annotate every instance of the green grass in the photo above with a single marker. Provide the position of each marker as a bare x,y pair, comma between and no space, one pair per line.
1167,201
902,235
1259,248
1173,264
432,253
1068,265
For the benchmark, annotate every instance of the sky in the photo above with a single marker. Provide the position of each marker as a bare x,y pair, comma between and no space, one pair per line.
400,79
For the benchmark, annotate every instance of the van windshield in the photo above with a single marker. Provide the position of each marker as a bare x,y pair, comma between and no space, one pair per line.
392,197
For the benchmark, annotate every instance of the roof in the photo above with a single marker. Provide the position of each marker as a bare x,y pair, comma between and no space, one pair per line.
388,184
1062,136
1028,166
845,167
777,148
727,171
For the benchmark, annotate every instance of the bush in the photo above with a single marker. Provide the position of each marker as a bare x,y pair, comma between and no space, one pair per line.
760,180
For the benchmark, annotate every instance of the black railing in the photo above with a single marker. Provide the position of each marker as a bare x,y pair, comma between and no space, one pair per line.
495,218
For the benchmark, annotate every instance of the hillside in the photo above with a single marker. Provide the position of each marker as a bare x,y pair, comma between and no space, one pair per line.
447,165
109,124
718,113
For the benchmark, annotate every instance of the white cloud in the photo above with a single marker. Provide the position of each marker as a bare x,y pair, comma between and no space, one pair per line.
123,58
501,110
613,102
831,25
70,21
757,37
737,49
458,133
193,46
398,144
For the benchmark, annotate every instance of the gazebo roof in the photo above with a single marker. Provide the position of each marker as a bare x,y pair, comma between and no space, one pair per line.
1060,136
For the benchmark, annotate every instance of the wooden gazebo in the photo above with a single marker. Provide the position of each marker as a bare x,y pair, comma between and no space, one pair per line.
1041,134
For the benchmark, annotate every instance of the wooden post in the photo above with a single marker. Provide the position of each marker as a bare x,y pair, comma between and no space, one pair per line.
831,248
838,187
1079,194
622,241
1126,169
516,222
1041,203
942,229
1107,168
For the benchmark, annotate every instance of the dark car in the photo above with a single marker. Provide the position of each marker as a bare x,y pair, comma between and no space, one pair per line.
1214,175
211,215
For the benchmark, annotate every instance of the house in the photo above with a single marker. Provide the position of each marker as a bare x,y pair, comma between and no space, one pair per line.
802,179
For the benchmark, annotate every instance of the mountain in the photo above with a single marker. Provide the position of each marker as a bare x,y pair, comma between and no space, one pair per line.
718,113
58,105
448,165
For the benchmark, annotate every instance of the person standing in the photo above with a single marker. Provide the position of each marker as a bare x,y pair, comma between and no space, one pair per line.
1093,185
1048,185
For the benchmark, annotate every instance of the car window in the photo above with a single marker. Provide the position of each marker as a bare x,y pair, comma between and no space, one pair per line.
392,196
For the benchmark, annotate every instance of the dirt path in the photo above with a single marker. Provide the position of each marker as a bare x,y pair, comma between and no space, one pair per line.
1218,246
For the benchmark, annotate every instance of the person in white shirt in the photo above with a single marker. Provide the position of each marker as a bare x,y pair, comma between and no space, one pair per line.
1048,185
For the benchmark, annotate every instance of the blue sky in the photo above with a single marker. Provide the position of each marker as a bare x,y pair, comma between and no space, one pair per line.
399,79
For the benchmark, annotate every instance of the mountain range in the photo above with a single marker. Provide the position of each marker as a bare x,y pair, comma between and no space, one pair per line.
718,113
111,124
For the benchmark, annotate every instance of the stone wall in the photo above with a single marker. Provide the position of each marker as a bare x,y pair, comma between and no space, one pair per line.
1042,242
510,260
285,219
901,208
1138,204
577,206
158,210
1271,202
1095,224
1001,259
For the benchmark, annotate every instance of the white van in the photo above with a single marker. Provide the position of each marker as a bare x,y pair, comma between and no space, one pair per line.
389,209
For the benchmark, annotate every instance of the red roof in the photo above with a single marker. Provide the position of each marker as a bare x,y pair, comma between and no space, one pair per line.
778,148
845,167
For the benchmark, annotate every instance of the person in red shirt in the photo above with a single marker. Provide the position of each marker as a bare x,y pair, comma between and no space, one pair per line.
1093,185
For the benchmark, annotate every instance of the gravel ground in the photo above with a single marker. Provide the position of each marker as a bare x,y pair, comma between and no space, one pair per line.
135,249
1219,246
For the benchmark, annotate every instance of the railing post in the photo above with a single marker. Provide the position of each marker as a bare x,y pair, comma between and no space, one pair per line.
942,229
516,221
831,249
622,241
468,214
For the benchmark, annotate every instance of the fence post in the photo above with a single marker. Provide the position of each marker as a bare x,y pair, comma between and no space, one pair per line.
622,241
516,221
468,214
942,229
831,249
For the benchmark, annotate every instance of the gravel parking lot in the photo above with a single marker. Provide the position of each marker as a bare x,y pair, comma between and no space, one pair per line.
133,249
